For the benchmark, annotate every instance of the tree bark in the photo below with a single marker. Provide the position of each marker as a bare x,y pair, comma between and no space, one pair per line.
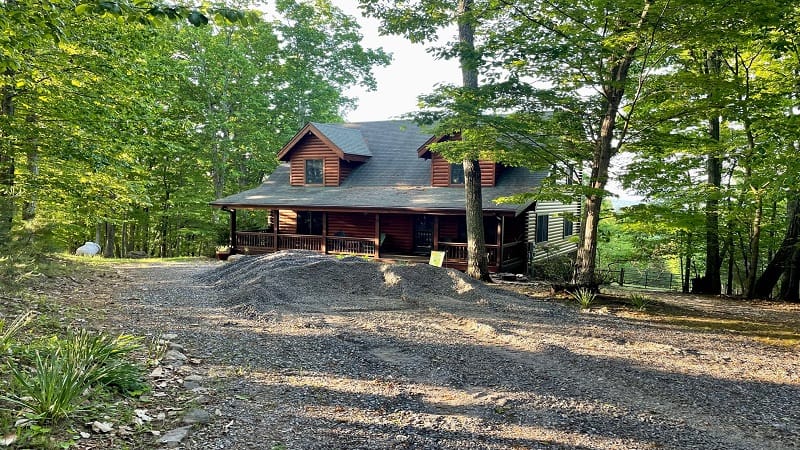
108,246
790,283
6,169
605,148
712,279
477,263
29,208
688,264
754,247
777,265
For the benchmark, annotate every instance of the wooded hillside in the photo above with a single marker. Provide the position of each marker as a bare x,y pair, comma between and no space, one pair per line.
120,122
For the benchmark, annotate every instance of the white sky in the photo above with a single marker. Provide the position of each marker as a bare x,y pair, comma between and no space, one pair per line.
412,72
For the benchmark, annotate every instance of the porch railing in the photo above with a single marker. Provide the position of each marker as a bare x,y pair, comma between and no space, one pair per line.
351,246
512,252
455,252
262,242
255,239
299,242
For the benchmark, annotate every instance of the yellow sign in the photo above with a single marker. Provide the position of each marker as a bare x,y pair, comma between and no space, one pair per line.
437,258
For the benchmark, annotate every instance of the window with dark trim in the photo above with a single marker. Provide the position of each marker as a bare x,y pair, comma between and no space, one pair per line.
568,231
542,224
457,173
314,171
309,222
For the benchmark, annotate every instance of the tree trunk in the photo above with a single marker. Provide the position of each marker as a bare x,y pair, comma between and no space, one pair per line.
688,267
477,263
29,208
98,233
123,247
605,147
790,284
711,281
6,169
772,273
754,247
108,247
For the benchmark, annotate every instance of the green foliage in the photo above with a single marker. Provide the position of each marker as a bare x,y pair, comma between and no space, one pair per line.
51,391
557,269
8,332
135,124
584,296
639,301
61,372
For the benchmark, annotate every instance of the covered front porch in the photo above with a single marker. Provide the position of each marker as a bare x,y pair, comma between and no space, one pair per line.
388,236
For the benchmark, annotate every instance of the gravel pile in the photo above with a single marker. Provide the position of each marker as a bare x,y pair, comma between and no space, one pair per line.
312,282
304,351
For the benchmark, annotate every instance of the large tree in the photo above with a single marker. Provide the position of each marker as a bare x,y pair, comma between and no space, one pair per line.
454,111
586,62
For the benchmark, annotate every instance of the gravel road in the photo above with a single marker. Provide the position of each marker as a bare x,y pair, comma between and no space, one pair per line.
301,351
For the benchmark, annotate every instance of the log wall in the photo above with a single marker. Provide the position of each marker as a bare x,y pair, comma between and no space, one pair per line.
440,172
312,147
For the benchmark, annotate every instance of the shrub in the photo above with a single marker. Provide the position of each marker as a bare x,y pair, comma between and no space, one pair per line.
557,269
585,297
639,301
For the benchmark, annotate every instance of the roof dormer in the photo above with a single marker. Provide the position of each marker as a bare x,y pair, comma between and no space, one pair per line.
445,173
324,154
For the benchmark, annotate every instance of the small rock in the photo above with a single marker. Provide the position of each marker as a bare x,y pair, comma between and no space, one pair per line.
196,415
195,378
173,438
174,346
169,336
174,355
101,427
158,372
190,385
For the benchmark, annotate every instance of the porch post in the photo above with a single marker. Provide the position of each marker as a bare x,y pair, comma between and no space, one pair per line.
324,232
436,232
377,235
501,228
276,223
233,230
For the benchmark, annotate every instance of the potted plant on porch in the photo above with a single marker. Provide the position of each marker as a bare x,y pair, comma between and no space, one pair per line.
223,252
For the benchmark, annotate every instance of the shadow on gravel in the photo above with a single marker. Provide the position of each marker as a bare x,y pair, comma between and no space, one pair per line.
320,380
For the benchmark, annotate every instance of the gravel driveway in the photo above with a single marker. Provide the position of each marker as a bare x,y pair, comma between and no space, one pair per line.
297,351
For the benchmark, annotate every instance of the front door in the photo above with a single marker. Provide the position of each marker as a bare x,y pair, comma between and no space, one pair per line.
423,234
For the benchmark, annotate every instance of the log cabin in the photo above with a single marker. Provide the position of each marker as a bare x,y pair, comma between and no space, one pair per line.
375,189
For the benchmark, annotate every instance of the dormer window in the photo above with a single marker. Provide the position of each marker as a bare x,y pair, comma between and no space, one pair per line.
314,171
456,173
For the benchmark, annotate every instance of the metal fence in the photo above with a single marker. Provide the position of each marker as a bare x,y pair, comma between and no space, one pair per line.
642,278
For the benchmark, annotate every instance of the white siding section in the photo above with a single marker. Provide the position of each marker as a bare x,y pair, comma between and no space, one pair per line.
556,243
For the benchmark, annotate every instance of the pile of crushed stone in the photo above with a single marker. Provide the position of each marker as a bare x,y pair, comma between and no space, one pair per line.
313,282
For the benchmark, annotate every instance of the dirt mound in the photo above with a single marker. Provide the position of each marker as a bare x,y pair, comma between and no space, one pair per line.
308,281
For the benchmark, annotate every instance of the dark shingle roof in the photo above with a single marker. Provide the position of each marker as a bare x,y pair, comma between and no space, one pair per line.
394,178
349,140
